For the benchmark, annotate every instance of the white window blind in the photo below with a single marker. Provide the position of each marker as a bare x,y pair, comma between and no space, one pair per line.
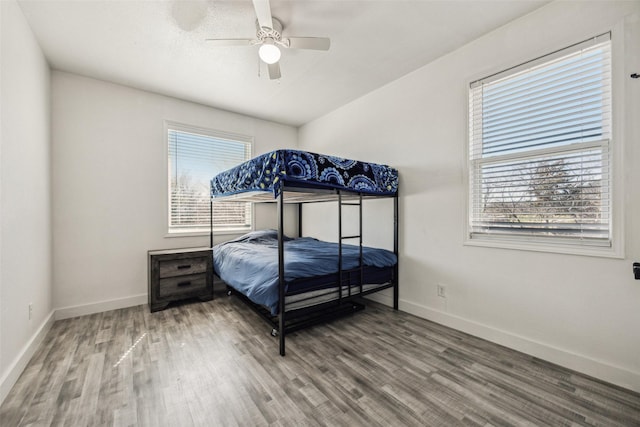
539,154
195,156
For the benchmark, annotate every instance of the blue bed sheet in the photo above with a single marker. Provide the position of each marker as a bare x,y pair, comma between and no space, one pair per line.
250,263
269,171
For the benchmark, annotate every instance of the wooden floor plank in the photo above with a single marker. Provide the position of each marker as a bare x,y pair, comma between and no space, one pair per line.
215,363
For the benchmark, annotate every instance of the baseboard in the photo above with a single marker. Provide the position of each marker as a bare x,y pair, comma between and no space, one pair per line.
99,307
17,367
612,374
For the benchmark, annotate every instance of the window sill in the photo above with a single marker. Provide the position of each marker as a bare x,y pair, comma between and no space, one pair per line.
198,233
535,246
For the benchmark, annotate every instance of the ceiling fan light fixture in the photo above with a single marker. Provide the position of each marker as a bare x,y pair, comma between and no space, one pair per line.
269,53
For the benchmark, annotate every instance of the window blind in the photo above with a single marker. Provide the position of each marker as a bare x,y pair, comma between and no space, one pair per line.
539,149
195,156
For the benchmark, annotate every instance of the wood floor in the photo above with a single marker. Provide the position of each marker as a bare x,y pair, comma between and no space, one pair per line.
215,364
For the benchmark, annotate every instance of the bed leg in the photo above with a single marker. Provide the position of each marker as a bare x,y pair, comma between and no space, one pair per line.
281,344
395,295
281,332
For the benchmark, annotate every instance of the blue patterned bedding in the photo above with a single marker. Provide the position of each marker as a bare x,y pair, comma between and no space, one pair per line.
270,171
250,263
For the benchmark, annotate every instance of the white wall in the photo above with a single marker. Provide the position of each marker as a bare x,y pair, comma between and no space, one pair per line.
581,312
109,186
25,201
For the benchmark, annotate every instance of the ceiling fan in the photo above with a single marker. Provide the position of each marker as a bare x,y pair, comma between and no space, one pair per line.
269,38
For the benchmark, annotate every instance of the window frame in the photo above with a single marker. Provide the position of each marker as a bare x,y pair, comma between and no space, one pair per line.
214,133
615,145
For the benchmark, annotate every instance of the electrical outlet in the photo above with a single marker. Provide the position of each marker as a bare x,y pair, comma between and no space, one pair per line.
442,290
30,310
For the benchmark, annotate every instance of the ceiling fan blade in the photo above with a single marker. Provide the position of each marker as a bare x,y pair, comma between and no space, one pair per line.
274,71
315,43
263,13
230,42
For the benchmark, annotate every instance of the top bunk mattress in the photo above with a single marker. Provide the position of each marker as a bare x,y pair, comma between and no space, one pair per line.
276,170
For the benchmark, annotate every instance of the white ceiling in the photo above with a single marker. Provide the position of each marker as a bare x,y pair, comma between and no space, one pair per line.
160,46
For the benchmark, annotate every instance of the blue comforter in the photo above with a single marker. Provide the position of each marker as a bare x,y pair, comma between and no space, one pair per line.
250,263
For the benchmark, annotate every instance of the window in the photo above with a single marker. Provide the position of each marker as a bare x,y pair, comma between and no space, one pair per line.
539,151
194,157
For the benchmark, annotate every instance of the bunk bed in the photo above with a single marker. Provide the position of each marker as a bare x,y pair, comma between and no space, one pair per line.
297,282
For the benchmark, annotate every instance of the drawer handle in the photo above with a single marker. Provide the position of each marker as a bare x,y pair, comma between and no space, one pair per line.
182,267
185,283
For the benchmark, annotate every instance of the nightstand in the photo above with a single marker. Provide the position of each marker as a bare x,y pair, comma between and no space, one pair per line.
178,274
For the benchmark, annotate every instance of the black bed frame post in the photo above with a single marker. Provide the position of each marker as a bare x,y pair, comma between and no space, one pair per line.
211,221
395,251
299,219
360,260
281,287
339,247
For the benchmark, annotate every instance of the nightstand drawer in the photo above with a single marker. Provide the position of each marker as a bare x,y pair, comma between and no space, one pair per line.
179,285
182,267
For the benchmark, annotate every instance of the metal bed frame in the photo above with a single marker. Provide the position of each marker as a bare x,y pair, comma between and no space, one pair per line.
288,321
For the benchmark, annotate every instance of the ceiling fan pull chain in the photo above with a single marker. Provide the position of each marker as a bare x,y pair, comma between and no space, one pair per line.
258,62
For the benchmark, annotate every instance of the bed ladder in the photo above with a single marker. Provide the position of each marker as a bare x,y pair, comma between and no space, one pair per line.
341,203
